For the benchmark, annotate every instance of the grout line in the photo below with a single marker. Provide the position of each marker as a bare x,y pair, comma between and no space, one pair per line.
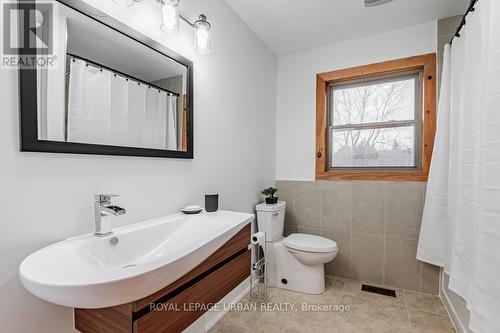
403,238
425,310
322,205
385,233
350,233
406,307
349,274
294,213
420,277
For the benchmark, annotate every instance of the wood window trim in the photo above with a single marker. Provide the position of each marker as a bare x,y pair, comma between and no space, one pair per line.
426,63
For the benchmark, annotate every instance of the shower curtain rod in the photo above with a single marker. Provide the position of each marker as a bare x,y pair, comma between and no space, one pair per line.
464,21
123,74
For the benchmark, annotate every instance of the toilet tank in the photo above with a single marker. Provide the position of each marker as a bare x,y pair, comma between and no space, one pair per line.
271,220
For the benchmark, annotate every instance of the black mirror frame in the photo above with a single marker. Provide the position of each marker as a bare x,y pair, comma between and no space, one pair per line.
28,98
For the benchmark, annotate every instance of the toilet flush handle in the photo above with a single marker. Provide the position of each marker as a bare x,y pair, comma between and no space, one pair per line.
275,213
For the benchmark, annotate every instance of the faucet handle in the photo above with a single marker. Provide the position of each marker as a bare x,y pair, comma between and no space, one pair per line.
102,198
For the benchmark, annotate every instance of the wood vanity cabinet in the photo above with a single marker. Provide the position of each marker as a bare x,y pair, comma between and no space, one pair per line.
206,284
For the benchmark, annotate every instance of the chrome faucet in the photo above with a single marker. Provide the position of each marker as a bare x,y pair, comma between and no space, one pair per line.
103,211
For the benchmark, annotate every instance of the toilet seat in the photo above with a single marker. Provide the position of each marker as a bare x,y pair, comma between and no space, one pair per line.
310,243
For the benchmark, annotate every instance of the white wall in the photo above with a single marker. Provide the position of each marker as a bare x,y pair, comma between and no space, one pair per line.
296,113
48,197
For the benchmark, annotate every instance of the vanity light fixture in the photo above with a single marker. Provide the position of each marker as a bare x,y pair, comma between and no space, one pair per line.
169,10
202,35
201,29
170,17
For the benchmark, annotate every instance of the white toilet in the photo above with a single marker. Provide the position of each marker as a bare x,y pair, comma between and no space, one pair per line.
297,261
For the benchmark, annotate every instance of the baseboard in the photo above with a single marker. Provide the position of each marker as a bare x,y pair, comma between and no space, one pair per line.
452,313
210,318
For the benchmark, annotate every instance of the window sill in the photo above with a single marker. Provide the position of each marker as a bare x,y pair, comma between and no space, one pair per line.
383,176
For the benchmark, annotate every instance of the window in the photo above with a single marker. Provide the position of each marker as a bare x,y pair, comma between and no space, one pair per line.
376,121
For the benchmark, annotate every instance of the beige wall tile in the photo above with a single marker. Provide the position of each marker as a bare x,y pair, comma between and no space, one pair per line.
337,209
309,230
401,268
367,258
341,265
286,192
404,210
307,205
368,204
429,279
333,222
307,221
337,205
289,229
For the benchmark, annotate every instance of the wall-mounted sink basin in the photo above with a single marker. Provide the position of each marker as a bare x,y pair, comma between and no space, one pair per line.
93,272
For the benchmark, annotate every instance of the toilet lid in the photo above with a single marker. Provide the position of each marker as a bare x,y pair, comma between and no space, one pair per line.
263,207
310,243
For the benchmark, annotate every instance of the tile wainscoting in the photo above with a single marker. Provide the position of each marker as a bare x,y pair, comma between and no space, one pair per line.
375,224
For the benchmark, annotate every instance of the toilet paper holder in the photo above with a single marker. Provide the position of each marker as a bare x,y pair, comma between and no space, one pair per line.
258,276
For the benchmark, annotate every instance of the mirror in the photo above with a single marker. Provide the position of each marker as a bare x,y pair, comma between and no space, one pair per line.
112,91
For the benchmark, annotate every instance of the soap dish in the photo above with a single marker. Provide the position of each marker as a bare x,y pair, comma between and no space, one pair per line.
192,210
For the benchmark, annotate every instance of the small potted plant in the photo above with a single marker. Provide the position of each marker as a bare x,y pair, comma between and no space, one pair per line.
269,193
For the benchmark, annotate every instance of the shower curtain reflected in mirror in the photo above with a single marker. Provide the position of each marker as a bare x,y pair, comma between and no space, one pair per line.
109,109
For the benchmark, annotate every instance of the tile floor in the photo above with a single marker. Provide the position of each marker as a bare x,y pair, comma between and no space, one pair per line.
409,311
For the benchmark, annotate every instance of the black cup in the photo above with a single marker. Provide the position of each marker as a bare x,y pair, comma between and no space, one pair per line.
211,202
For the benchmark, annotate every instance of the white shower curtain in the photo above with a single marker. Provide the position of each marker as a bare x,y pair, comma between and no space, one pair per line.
172,123
461,221
89,104
108,109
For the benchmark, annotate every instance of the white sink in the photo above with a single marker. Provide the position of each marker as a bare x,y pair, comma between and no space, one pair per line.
90,272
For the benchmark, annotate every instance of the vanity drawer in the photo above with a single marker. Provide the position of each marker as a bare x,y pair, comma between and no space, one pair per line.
117,319
172,318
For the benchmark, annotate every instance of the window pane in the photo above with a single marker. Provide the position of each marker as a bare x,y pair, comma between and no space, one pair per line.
381,147
376,102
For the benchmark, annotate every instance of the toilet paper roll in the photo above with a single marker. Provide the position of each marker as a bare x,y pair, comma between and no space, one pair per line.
258,238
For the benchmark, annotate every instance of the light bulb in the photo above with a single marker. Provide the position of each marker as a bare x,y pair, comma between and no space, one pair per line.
202,35
202,38
170,17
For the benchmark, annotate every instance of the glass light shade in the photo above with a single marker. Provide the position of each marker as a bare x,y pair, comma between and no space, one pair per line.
202,35
124,3
170,16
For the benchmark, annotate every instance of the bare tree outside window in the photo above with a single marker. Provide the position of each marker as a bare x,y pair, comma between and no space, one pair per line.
375,123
